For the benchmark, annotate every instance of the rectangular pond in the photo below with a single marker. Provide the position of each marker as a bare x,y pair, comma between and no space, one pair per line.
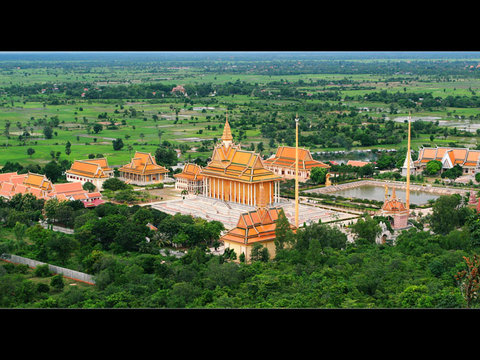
372,192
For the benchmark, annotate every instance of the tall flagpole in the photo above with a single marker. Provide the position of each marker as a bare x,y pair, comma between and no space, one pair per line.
408,164
296,172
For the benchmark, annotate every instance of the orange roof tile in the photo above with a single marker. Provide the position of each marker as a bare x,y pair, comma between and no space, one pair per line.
7,176
67,188
143,163
285,157
255,226
357,163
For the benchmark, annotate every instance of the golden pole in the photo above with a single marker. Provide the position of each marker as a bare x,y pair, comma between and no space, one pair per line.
408,165
296,172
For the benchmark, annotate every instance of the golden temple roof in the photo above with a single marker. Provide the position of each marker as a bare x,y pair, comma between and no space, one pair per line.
93,168
233,163
285,157
255,226
190,172
143,163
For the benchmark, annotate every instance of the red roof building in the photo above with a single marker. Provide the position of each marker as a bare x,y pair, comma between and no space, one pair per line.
283,163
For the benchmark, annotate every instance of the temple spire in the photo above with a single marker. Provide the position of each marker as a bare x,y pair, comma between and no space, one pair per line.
227,133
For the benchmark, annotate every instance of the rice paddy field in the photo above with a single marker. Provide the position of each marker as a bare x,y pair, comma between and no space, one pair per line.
185,122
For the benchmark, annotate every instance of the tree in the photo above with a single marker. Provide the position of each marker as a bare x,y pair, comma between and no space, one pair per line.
53,171
88,186
166,156
114,184
448,214
477,176
386,162
453,172
470,279
433,167
367,229
117,144
97,128
283,232
48,132
259,253
50,208
19,231
68,149
30,152
318,175
60,247
57,282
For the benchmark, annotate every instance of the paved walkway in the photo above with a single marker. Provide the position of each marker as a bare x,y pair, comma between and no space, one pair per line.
229,213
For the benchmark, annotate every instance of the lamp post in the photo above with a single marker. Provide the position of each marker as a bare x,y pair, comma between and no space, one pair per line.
296,172
408,165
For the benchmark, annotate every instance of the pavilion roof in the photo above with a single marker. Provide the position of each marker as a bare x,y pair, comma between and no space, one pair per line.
190,172
255,226
235,164
93,168
285,157
143,163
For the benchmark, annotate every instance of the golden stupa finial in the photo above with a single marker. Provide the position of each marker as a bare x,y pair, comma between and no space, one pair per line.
227,133
393,194
386,191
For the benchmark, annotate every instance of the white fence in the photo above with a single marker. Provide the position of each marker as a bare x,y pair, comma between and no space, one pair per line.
72,274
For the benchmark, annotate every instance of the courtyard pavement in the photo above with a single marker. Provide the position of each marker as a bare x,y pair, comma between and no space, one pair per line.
229,213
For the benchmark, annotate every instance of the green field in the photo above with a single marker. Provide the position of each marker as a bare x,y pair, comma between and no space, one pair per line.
178,122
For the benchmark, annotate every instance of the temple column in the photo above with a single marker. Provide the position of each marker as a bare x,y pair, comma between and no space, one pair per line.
243,193
275,192
254,194
223,193
251,194
270,195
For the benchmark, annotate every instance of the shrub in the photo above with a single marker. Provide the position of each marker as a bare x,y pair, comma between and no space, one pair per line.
57,282
42,271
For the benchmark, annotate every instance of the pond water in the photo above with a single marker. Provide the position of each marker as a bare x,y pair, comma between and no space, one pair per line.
464,125
371,192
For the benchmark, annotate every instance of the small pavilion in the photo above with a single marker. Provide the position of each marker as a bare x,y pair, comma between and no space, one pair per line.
256,226
142,170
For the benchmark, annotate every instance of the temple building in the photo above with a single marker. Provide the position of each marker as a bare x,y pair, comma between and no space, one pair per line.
283,163
256,226
142,170
42,188
396,210
30,183
449,157
74,191
235,175
190,179
95,171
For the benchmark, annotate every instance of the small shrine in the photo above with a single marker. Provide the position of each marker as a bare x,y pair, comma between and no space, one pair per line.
394,208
